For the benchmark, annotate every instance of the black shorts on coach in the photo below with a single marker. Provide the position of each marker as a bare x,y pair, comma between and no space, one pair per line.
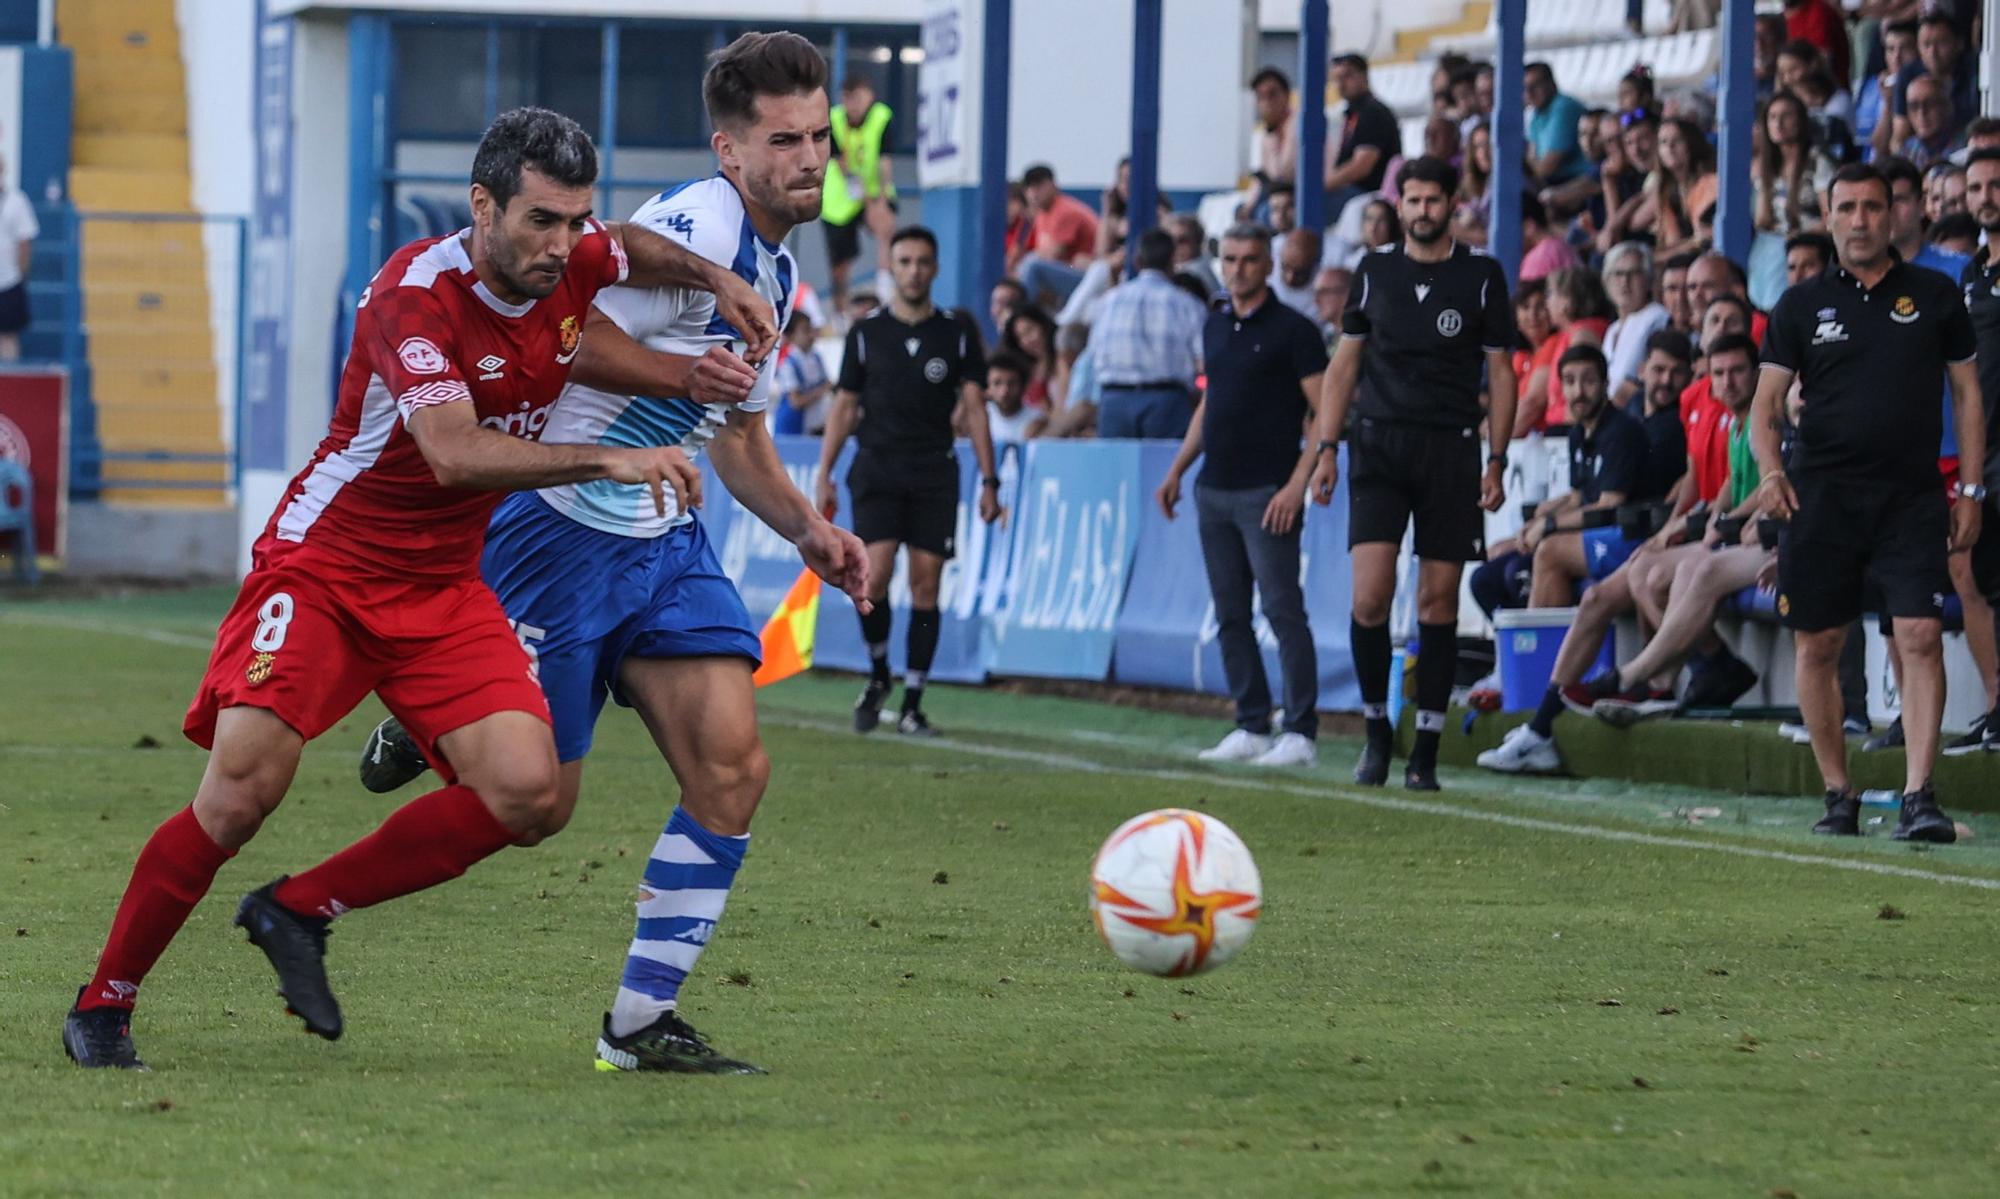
1848,534
913,500
1398,471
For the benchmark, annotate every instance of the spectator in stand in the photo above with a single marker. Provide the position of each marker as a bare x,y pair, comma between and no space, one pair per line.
1636,90
801,380
1330,300
1671,288
1112,220
1277,138
1555,153
1293,281
1830,129
1806,255
1714,275
1982,134
1281,200
1536,353
1465,100
1944,190
1579,312
1008,417
1819,23
861,304
1482,88
18,231
1955,233
1378,226
1770,38
1797,60
1475,187
1031,333
1265,364
1191,257
1018,223
1007,297
1930,139
1790,174
1542,252
1676,193
1874,99
1061,242
1370,136
1566,200
1147,342
1941,56
1628,280
1631,158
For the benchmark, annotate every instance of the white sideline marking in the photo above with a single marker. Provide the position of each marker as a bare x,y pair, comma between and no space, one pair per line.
160,636
1424,807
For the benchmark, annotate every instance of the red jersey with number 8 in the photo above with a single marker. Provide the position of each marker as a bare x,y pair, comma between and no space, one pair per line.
428,332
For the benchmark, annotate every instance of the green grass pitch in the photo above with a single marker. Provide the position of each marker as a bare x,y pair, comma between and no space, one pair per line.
1514,988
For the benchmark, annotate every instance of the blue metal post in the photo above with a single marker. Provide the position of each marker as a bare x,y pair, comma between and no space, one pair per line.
607,119
1503,234
1143,195
1737,119
240,405
368,47
837,77
995,93
1311,193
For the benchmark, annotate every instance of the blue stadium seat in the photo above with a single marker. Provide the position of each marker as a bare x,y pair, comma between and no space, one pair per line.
17,515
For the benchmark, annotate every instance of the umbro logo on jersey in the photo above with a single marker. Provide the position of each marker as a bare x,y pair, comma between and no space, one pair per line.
490,365
1423,292
911,344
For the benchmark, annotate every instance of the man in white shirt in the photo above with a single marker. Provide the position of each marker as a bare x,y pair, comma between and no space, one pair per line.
1628,278
18,229
1008,416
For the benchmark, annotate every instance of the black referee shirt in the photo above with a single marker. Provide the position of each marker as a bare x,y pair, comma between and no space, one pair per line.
1428,326
908,378
1981,281
1871,361
1611,457
1253,418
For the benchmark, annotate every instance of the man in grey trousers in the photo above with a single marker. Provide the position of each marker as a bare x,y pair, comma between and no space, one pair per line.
1264,364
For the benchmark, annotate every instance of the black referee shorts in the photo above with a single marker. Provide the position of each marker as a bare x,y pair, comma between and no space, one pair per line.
911,500
1396,472
1850,541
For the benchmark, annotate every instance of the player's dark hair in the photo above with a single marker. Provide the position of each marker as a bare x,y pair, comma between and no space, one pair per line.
1952,226
1431,170
1819,242
548,143
1585,354
1353,62
915,233
1037,175
1679,262
1897,169
1541,68
1938,16
1982,127
1900,29
1673,343
1730,297
1270,75
1864,172
758,64
1156,250
1734,343
1008,360
1989,154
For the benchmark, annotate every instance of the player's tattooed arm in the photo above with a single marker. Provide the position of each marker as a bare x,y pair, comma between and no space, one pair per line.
611,360
658,262
463,453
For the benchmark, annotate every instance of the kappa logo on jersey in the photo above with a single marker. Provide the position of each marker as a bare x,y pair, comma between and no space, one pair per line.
569,336
1450,322
1423,292
935,369
490,365
681,223
421,357
1904,310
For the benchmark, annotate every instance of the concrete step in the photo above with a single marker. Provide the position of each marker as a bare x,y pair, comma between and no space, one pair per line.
111,189
146,342
168,390
131,151
122,68
94,22
184,305
121,111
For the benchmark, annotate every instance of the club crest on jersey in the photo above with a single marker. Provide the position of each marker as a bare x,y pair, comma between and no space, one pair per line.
1450,323
569,336
421,357
935,369
1904,310
259,669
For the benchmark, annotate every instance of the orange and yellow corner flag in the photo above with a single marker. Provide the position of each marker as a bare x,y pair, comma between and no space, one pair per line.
788,636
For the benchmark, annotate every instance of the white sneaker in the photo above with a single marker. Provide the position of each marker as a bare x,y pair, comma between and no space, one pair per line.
1241,745
1290,749
1523,751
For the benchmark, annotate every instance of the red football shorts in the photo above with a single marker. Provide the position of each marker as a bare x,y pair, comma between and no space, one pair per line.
307,647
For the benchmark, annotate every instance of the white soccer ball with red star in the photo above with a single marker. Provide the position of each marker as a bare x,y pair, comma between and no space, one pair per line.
1175,892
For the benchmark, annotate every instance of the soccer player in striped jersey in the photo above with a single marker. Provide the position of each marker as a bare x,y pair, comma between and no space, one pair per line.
619,600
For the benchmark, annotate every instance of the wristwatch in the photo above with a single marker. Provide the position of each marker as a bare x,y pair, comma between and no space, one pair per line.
1324,446
1976,492
990,481
1499,458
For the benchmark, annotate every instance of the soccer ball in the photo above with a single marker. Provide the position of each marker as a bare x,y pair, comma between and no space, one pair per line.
1174,892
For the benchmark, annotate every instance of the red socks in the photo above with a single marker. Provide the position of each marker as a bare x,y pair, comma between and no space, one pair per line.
430,840
173,872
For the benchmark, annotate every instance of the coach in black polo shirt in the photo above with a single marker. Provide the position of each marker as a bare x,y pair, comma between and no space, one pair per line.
1422,318
1264,364
1870,341
907,370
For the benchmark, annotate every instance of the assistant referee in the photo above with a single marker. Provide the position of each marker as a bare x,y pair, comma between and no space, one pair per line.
1870,341
1422,318
908,372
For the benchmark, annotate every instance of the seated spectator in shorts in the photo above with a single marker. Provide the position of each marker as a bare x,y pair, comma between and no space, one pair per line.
1008,417
1061,240
801,381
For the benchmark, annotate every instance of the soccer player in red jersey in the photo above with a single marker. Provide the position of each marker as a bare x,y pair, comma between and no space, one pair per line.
367,576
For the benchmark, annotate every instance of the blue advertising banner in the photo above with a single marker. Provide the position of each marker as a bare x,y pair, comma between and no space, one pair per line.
1075,529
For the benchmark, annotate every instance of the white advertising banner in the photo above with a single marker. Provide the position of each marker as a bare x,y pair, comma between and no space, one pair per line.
948,94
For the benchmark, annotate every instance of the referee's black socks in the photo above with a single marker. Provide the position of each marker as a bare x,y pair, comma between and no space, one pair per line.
875,635
924,625
1437,663
1371,671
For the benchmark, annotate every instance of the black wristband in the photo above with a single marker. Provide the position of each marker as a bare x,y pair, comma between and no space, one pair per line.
990,481
1548,525
1500,458
1324,446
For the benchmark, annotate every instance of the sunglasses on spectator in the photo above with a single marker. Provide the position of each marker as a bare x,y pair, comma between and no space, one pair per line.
1634,116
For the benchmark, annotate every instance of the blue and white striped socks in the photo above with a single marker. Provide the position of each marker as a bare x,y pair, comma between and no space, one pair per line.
685,887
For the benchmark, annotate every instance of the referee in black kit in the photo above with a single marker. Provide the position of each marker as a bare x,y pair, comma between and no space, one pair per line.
1421,319
1870,340
907,372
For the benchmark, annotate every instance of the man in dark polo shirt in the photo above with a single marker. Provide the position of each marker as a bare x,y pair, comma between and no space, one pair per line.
1264,366
1870,341
1980,282
907,371
1370,136
1422,318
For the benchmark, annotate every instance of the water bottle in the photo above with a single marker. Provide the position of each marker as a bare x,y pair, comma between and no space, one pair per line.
1878,798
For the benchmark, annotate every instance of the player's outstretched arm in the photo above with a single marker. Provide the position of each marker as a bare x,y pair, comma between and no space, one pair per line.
611,360
658,262
972,413
1336,391
840,422
462,453
748,463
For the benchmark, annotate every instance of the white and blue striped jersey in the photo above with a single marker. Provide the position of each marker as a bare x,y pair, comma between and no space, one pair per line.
708,216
